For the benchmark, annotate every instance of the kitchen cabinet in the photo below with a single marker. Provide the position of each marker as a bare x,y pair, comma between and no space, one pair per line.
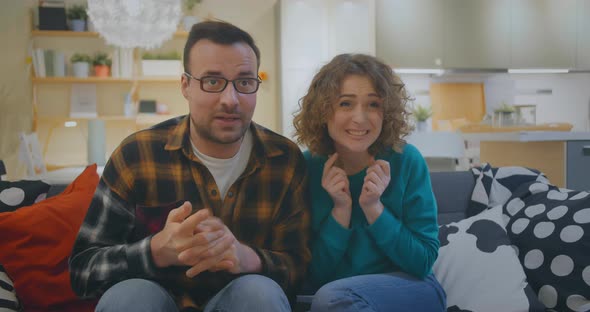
477,34
578,165
410,34
543,33
563,156
583,51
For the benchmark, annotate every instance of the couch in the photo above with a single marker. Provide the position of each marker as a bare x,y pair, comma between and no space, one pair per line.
454,192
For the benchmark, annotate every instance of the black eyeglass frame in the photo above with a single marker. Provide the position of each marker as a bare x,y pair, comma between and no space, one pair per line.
227,81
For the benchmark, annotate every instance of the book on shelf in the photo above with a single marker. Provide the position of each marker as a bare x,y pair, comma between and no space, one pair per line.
48,63
122,66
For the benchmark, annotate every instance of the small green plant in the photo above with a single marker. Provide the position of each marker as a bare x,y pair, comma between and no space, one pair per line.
190,4
77,12
172,55
505,108
80,57
421,113
101,58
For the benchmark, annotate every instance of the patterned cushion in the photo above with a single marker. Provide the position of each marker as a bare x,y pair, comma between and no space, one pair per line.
14,195
478,268
8,300
551,228
494,186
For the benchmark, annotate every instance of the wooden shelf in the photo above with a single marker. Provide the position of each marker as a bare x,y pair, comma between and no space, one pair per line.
63,33
50,80
81,80
142,119
159,79
181,34
85,34
105,118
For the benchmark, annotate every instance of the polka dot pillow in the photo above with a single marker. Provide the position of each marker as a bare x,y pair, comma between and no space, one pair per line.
14,195
478,268
551,229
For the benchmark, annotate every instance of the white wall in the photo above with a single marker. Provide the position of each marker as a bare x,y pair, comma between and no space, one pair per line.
312,33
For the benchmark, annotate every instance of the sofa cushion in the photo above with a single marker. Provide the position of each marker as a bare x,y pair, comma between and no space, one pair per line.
452,191
14,195
494,186
40,239
551,228
8,300
479,269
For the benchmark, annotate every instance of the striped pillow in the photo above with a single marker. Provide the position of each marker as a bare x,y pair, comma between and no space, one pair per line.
8,300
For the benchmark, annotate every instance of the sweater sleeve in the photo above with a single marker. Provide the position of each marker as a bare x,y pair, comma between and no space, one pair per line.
412,242
329,240
328,248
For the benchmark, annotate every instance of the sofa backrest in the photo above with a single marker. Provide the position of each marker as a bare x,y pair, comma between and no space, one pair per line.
452,191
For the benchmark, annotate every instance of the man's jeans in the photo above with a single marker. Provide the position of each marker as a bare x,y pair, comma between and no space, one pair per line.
246,293
391,292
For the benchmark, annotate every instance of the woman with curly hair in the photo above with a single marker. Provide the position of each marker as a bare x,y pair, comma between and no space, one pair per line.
374,228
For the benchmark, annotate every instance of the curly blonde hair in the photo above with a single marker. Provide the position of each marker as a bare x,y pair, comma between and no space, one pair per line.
316,107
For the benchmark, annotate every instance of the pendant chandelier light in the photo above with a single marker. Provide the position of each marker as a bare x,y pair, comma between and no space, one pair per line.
135,23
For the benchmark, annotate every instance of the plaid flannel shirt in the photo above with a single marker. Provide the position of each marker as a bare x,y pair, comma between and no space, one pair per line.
154,171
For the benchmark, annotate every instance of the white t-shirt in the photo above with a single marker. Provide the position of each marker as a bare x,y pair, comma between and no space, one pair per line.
227,171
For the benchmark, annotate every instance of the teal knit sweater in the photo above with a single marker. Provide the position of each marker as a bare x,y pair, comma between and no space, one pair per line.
404,238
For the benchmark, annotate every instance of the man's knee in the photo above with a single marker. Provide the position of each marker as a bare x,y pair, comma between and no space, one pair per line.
136,295
258,288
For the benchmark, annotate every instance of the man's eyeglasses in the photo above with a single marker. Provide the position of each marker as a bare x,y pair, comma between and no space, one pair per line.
214,84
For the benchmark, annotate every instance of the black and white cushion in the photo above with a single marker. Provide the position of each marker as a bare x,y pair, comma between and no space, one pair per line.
14,195
494,186
551,229
8,300
479,269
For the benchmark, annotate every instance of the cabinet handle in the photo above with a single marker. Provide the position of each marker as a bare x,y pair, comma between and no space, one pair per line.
586,150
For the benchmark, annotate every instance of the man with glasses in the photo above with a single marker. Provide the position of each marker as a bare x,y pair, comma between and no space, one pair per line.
201,212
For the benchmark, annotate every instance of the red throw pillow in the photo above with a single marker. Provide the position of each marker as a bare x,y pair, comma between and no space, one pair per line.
36,242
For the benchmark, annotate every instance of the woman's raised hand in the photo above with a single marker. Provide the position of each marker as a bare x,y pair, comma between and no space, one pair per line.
335,182
376,181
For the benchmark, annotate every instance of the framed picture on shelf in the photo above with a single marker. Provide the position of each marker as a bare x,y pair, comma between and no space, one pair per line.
83,101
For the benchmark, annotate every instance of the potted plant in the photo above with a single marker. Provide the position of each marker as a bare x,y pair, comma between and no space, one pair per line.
80,64
77,16
190,18
102,64
161,64
504,115
421,114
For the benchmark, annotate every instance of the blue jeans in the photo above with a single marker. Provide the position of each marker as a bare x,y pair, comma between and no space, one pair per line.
246,293
388,292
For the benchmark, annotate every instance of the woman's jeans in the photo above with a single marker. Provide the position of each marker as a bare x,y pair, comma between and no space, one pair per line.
246,293
388,292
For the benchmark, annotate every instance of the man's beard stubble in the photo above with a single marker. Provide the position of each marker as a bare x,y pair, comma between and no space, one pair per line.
206,133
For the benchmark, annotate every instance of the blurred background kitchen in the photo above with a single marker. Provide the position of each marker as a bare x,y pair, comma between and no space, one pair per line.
499,81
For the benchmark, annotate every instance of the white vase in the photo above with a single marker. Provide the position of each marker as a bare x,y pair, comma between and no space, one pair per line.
78,25
422,126
81,69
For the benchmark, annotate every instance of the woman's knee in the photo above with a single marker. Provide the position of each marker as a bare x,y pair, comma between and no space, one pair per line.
332,297
124,295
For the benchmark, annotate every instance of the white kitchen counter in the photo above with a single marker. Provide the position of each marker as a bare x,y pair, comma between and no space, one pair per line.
528,136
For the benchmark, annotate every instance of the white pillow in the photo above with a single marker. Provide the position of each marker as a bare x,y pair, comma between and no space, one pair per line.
479,269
